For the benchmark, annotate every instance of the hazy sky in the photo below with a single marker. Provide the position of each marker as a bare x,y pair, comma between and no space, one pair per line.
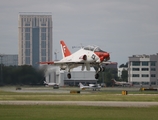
121,27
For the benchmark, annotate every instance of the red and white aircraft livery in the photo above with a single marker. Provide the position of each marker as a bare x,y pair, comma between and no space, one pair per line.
89,56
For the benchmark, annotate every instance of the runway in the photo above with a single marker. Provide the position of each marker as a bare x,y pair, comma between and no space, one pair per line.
83,103
27,89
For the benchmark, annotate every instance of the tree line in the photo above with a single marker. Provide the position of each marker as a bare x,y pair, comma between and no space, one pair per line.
112,73
21,75
27,75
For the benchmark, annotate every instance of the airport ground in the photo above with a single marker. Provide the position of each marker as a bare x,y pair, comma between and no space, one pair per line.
48,103
66,90
27,93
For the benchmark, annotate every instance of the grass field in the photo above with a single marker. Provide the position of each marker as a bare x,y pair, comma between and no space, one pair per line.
96,96
40,112
67,112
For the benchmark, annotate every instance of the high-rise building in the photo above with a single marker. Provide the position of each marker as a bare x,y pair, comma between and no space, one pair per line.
35,38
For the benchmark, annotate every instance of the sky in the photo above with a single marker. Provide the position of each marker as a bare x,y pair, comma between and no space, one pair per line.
121,27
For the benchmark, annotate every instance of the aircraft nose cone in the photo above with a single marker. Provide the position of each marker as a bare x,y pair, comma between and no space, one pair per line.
106,55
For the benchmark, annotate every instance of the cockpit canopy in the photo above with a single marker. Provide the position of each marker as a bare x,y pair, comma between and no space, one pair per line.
93,48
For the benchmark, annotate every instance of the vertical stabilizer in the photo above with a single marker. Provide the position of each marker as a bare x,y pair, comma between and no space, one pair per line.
65,51
81,85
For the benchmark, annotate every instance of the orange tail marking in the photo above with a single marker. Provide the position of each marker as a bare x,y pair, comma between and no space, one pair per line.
65,50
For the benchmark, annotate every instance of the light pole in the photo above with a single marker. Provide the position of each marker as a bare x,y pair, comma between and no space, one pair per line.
1,70
55,53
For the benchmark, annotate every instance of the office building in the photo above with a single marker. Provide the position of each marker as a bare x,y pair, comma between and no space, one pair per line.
143,70
35,38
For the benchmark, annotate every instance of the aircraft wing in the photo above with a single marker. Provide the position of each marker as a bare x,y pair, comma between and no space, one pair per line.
61,62
73,64
64,64
109,62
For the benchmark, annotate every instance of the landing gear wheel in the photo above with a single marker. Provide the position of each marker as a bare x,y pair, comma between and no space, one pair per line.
96,76
69,75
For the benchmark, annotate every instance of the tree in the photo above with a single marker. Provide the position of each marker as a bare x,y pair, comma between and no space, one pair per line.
124,65
107,75
24,74
124,75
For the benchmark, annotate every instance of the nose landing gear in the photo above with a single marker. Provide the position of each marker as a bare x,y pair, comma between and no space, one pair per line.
96,76
69,75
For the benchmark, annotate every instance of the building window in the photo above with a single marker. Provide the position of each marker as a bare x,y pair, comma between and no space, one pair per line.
43,52
27,44
136,83
43,29
145,75
43,36
153,69
136,63
153,75
27,60
153,63
135,69
43,44
145,69
43,24
21,36
43,59
135,75
144,63
27,29
27,36
145,83
27,24
153,83
27,52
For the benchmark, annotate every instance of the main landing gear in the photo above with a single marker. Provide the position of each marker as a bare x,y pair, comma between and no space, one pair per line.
96,76
100,69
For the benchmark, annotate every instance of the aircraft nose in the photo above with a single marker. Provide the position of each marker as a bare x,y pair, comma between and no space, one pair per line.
106,56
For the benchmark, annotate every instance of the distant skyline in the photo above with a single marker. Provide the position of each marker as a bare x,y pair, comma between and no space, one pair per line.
121,27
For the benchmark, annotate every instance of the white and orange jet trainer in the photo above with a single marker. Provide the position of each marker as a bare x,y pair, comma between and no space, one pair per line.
86,57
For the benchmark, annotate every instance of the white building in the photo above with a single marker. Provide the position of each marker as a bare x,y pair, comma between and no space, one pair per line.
143,69
54,75
35,38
